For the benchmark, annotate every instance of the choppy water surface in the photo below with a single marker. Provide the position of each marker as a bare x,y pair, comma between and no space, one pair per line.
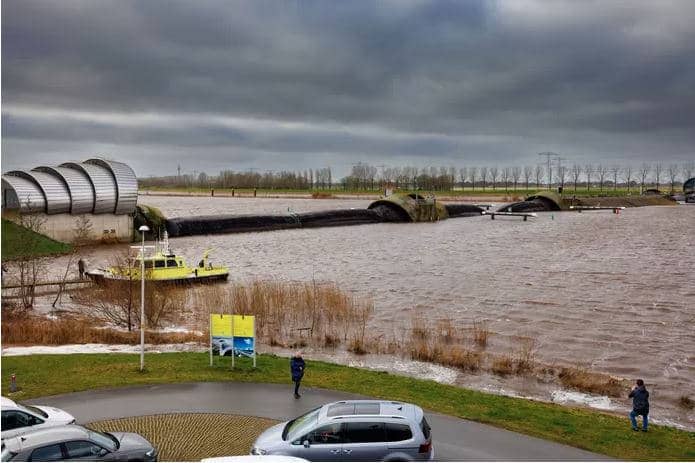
611,292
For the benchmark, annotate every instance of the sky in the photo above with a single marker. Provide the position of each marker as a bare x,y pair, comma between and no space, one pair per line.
298,84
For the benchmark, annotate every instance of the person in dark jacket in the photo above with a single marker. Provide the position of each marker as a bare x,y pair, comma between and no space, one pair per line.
297,368
640,405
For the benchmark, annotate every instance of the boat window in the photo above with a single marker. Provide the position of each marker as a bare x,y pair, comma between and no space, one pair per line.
159,263
172,263
148,264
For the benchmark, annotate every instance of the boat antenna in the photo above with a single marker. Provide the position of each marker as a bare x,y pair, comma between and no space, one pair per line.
165,243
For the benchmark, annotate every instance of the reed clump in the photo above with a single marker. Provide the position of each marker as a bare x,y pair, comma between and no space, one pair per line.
686,402
75,330
502,365
480,333
589,381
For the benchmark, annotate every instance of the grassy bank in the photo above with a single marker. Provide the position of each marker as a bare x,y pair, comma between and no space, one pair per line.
42,375
18,241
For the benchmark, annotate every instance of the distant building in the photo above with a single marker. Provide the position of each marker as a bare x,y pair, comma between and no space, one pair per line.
94,200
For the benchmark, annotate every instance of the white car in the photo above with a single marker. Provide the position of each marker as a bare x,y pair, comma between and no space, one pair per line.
18,419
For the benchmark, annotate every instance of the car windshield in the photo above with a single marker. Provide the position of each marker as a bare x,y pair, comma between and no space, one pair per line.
34,410
105,439
298,426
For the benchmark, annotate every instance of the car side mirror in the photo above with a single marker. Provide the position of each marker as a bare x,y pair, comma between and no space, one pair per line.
306,444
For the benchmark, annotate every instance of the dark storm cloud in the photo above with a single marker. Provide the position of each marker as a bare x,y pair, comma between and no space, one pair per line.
316,81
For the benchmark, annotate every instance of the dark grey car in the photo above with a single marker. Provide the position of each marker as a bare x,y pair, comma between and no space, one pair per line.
77,443
352,430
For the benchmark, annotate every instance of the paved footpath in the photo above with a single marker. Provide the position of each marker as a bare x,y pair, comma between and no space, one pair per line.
454,438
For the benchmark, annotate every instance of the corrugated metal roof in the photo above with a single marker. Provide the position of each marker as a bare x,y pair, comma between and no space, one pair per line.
20,193
126,183
79,185
104,183
54,189
95,186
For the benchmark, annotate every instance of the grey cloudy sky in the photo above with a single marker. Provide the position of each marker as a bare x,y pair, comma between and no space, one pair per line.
299,84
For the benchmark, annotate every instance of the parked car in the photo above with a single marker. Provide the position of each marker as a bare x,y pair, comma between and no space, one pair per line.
18,419
74,442
352,430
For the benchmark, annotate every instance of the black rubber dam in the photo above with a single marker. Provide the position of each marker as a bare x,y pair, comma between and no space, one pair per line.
398,209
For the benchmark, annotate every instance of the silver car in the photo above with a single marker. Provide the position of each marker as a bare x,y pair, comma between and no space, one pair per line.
18,419
74,442
352,430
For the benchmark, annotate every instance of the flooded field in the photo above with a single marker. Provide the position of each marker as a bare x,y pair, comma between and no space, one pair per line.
614,293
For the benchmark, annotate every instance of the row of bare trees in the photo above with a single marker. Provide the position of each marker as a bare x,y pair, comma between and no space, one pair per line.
364,176
286,180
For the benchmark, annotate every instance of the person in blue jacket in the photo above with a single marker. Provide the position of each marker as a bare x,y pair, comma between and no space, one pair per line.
640,405
297,366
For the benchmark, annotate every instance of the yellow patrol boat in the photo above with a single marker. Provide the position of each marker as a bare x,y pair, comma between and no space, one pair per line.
161,266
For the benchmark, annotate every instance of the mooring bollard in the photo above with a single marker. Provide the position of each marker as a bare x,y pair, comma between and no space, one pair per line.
13,383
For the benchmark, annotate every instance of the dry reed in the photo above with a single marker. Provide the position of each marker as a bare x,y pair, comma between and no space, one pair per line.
588,381
502,365
43,331
480,333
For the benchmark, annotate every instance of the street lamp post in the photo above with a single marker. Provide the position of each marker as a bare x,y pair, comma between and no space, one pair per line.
142,229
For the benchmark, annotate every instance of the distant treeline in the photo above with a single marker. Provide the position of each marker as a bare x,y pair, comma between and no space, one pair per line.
368,177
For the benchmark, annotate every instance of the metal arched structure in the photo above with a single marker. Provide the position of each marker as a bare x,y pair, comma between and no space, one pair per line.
689,186
126,184
95,186
104,184
54,189
80,187
22,194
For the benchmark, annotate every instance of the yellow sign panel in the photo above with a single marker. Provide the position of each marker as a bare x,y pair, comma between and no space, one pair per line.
221,325
243,326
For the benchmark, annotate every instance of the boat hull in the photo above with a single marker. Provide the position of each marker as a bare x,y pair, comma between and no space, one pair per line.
105,277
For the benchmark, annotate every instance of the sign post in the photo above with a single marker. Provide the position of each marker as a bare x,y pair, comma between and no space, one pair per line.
235,334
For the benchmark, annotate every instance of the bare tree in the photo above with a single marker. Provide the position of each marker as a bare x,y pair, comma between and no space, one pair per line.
473,173
576,172
658,168
528,172
494,172
483,176
627,175
673,176
615,170
561,175
506,173
539,171
601,171
588,170
643,173
516,174
463,175
29,266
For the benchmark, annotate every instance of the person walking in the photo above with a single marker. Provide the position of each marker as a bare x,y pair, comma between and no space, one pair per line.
297,366
80,267
640,405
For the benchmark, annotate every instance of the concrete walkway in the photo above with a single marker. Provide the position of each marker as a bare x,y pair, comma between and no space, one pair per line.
454,438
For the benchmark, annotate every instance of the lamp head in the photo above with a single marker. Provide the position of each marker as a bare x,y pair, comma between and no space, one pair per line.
144,228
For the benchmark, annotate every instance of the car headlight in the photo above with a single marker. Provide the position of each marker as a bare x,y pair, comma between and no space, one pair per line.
258,451
150,453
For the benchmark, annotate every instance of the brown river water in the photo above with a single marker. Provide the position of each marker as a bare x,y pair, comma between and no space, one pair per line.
613,293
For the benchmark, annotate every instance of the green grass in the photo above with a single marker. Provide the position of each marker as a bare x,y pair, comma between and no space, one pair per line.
18,241
42,375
